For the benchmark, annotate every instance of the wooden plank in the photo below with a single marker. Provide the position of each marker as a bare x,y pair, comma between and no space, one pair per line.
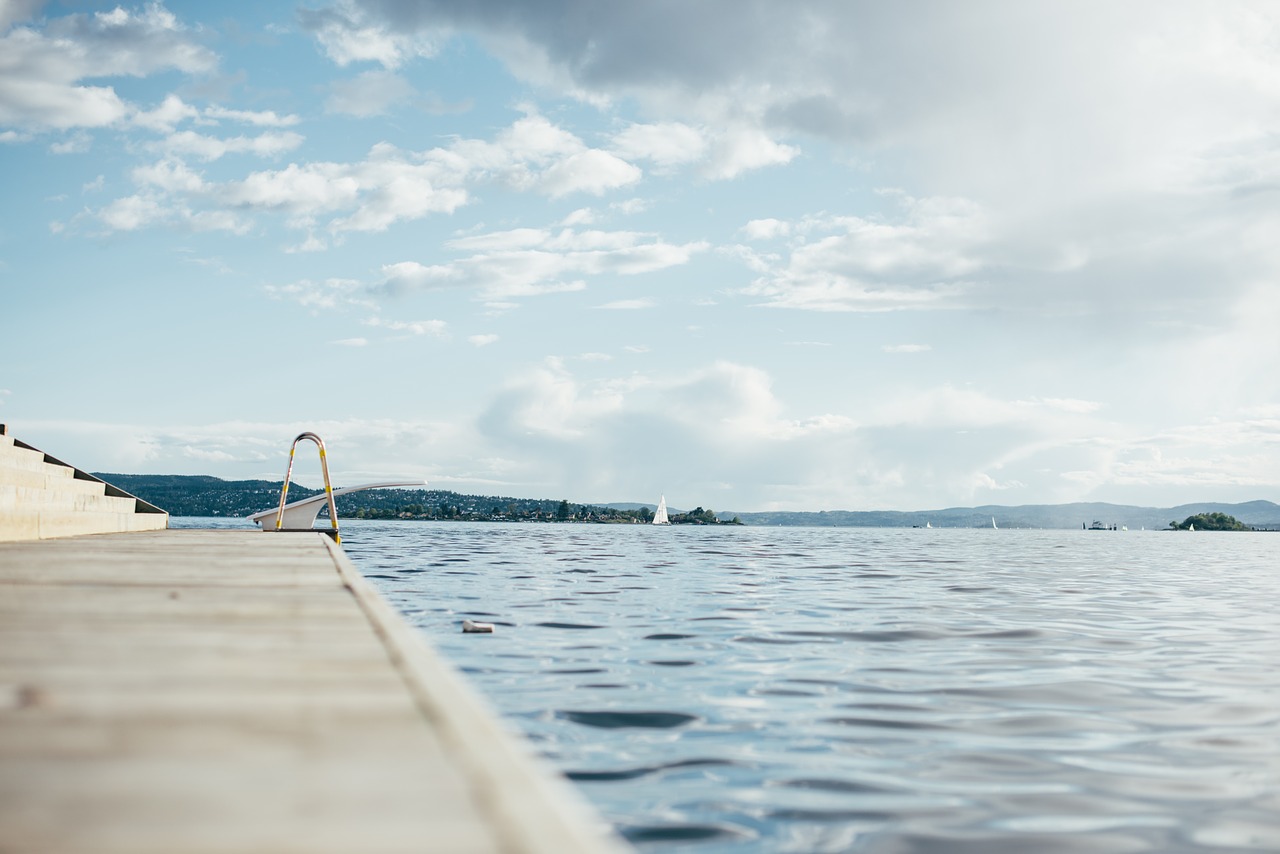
232,691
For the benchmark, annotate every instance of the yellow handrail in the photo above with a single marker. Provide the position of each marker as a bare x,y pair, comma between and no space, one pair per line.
328,488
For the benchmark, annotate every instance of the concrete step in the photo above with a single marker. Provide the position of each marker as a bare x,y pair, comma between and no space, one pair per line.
24,459
19,525
14,497
42,498
40,479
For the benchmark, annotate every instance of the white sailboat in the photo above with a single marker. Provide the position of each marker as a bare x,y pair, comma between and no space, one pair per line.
660,515
993,522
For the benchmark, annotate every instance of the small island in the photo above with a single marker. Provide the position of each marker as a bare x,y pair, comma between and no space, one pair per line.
1209,522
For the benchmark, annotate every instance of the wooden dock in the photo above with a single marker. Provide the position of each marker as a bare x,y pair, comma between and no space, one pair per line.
218,691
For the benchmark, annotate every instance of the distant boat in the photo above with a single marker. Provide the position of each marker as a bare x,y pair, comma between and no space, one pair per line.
928,524
993,523
660,515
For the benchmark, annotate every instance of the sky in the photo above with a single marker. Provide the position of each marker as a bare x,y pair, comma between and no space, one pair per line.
822,254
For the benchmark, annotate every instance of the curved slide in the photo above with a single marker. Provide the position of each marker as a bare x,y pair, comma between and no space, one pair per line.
301,515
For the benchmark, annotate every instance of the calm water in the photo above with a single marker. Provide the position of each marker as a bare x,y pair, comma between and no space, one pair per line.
788,689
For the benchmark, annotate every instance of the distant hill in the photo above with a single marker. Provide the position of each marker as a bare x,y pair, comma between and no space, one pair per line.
200,495
1256,514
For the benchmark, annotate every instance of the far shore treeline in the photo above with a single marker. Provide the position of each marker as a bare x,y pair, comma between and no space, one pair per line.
201,495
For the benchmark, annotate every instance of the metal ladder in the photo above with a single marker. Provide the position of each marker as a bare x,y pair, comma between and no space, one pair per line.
328,487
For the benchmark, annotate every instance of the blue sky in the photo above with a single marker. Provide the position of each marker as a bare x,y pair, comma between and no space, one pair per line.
808,255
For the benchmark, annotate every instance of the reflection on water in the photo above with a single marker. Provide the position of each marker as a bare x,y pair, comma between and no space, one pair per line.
785,689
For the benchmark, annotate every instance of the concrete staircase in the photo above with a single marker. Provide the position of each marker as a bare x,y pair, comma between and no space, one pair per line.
42,498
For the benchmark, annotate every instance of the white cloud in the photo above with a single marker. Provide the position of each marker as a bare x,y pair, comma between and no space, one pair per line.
391,185
766,229
434,328
133,212
351,342
923,260
44,65
530,262
259,118
169,175
666,144
202,147
629,207
347,34
326,294
534,155
482,340
591,171
172,112
582,216
311,244
739,150
78,143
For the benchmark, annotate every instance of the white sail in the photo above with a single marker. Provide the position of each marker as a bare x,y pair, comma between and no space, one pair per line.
660,515
993,521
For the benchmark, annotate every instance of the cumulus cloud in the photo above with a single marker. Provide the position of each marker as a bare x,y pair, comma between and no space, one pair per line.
766,229
873,76
171,112
259,118
1126,134
202,147
665,144
389,185
44,67
348,33
506,265
922,259
534,154
725,423
530,262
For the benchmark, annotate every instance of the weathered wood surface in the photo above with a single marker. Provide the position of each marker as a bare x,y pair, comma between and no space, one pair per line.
189,691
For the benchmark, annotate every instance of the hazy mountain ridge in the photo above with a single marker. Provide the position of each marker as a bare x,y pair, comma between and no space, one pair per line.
1257,514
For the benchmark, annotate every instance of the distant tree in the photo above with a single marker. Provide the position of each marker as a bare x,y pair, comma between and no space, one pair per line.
1212,522
562,512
